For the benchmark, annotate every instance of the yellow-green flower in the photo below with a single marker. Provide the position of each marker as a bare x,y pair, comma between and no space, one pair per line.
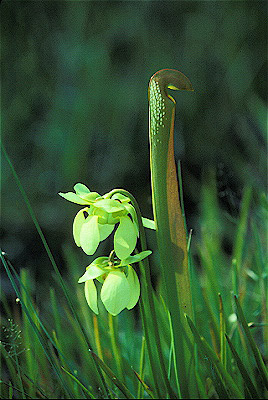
96,221
121,287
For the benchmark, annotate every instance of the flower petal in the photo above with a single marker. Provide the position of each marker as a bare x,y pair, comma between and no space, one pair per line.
90,235
109,205
80,188
125,238
84,193
134,286
115,292
135,258
91,273
100,262
131,210
77,225
105,230
70,196
91,296
90,197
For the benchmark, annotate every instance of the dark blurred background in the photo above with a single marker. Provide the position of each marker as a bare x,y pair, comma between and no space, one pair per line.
75,109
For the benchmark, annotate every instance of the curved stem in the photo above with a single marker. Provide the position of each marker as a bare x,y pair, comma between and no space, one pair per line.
116,352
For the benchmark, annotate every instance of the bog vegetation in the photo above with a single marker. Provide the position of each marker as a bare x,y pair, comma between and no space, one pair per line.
199,330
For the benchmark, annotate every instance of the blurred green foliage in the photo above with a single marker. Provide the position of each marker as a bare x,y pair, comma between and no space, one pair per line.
74,104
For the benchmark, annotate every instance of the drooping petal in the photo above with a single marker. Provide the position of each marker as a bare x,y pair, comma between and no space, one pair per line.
125,238
135,258
91,273
90,235
131,210
115,292
91,296
134,286
105,230
74,198
77,225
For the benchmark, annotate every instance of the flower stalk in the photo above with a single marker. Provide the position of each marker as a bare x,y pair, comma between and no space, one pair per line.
149,313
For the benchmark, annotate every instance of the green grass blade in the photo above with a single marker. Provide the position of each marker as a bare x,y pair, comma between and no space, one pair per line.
235,278
35,328
13,374
145,386
27,330
59,360
23,393
18,369
150,319
247,380
222,333
141,374
172,355
210,245
262,268
32,311
10,392
242,228
121,386
146,330
55,312
84,349
39,230
76,380
52,343
257,355
9,363
51,258
214,329
208,352
218,383
200,386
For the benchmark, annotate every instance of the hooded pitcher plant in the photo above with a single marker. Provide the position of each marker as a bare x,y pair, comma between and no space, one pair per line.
170,229
97,220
